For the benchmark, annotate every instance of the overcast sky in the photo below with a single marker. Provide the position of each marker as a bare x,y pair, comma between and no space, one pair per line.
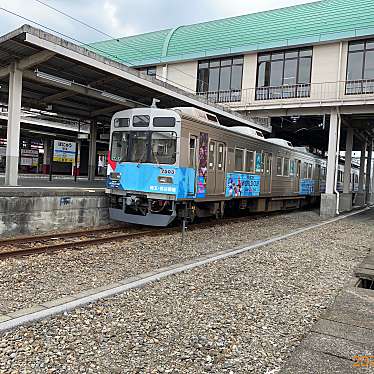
128,17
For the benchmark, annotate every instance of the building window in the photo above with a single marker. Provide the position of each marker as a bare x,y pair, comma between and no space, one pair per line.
360,68
284,75
149,70
221,79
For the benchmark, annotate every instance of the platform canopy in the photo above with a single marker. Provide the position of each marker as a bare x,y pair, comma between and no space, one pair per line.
69,79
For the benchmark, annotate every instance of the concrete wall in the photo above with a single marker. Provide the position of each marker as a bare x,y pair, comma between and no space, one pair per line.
183,75
249,78
36,212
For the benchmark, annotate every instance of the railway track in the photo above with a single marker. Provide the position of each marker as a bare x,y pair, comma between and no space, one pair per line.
47,243
77,240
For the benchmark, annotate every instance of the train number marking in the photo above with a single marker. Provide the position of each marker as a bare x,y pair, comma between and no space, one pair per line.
167,171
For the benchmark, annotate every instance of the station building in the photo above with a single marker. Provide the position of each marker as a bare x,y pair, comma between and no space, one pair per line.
309,69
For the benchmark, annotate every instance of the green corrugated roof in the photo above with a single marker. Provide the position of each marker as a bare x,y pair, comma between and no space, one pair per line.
325,20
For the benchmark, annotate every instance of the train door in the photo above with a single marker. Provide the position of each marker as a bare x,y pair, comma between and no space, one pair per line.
268,164
220,168
211,173
297,176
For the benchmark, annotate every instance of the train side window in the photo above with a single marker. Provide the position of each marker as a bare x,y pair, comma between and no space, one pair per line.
317,172
192,153
212,155
286,167
310,171
221,158
239,159
250,162
279,166
292,167
268,163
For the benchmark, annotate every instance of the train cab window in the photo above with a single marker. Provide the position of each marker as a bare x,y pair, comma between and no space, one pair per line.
212,155
279,166
220,156
121,122
250,162
286,167
192,153
120,146
163,147
140,121
239,159
138,151
164,122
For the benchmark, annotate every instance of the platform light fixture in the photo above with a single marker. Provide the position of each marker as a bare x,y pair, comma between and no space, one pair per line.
52,78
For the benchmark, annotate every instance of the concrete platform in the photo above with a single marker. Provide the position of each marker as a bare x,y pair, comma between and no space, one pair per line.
42,180
29,210
343,340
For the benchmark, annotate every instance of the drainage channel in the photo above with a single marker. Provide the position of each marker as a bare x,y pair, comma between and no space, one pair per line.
48,309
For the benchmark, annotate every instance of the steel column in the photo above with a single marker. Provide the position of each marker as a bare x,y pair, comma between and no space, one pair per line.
14,126
92,152
369,171
348,160
361,180
332,151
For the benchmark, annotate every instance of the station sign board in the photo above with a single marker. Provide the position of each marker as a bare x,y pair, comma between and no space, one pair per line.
29,157
64,151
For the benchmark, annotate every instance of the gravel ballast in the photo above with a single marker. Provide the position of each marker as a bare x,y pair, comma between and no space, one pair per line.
25,282
240,315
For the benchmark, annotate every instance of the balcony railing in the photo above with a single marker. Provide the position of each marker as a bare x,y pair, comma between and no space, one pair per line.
230,96
325,92
359,87
283,92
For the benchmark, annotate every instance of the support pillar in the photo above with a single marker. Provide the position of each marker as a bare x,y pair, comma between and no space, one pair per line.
346,197
329,198
369,172
360,197
14,126
92,152
46,156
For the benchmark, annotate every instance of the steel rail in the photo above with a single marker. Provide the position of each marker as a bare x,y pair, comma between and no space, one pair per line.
77,245
65,234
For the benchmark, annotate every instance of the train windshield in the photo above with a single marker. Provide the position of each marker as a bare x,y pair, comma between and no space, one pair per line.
159,147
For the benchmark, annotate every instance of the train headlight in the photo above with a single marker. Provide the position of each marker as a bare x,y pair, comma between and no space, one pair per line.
115,176
165,180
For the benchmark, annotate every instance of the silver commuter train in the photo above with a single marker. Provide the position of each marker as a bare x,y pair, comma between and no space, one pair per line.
180,162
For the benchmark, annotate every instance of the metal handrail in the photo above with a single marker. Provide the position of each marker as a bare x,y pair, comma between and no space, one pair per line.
301,93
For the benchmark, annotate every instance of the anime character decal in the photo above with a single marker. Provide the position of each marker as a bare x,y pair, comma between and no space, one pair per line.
234,187
203,165
240,184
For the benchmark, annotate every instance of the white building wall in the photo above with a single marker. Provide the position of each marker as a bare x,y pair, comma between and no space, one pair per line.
249,78
328,70
183,75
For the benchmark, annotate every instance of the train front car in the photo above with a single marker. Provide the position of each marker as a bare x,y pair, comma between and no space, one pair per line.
145,181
